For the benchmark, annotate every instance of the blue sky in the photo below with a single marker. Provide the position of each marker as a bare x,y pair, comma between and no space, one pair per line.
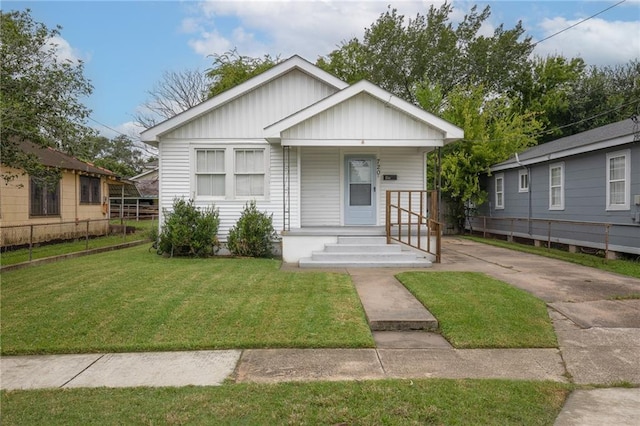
126,45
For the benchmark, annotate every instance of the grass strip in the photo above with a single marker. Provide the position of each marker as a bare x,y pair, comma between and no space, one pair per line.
619,266
13,257
389,402
134,300
477,311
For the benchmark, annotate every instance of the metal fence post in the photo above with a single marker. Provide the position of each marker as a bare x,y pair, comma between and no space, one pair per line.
86,237
548,235
31,243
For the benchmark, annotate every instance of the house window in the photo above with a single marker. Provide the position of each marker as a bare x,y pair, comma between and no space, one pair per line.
44,199
89,190
249,172
523,181
500,191
210,172
556,186
618,178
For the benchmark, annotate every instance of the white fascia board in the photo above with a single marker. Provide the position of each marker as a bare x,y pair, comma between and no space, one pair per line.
417,143
451,132
153,134
567,153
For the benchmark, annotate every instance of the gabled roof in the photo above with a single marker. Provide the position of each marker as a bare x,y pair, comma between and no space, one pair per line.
153,134
51,158
607,136
451,132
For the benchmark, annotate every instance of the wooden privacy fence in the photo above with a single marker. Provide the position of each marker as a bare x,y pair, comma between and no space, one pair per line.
411,220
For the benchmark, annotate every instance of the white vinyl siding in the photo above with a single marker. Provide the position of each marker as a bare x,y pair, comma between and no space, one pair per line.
556,186
362,117
320,187
618,180
499,191
246,116
523,181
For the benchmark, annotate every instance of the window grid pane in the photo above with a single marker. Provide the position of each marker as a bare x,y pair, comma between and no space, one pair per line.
249,172
210,172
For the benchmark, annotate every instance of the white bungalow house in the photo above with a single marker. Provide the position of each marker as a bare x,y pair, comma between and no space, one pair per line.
315,152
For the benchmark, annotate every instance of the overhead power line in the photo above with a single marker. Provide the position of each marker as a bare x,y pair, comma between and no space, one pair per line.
578,23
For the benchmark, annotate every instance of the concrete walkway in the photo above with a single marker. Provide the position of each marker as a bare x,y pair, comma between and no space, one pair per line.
599,343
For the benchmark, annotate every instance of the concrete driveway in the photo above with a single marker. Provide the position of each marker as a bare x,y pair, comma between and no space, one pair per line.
598,330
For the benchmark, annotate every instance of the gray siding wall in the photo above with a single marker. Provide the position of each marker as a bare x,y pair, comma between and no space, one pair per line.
585,184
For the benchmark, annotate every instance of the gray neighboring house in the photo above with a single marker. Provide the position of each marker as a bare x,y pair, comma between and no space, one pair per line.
582,190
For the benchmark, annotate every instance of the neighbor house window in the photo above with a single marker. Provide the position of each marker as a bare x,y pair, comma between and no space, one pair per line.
523,181
500,191
556,186
44,199
210,172
618,179
89,190
249,172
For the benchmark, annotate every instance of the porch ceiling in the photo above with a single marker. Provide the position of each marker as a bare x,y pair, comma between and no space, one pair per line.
406,143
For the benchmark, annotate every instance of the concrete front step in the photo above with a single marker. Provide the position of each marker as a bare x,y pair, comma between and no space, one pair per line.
363,252
364,256
363,240
362,248
308,262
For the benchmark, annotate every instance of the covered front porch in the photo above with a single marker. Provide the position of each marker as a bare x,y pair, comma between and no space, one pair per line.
354,174
410,237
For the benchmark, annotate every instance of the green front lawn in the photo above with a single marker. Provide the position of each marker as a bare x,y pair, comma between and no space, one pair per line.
476,311
390,402
134,300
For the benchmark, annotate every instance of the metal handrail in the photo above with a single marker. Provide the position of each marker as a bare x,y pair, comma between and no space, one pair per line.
417,217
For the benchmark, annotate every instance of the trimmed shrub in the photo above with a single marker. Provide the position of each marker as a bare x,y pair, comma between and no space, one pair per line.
189,231
253,234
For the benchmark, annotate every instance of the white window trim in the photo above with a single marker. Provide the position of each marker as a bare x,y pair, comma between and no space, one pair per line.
229,166
627,180
561,205
523,172
499,176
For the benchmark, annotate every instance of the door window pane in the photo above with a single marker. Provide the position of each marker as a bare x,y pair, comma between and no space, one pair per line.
360,194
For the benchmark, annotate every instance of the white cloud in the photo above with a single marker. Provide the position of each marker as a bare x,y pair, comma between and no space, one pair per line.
64,51
597,41
307,28
209,43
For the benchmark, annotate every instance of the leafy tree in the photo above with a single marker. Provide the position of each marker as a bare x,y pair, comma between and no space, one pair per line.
494,130
177,91
230,69
119,155
548,88
39,93
399,54
604,95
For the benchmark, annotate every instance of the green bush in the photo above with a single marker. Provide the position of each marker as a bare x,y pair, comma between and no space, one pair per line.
189,231
253,234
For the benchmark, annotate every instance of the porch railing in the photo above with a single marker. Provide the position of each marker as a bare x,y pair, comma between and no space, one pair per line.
411,217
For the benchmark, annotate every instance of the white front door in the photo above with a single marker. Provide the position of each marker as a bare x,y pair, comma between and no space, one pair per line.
360,190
